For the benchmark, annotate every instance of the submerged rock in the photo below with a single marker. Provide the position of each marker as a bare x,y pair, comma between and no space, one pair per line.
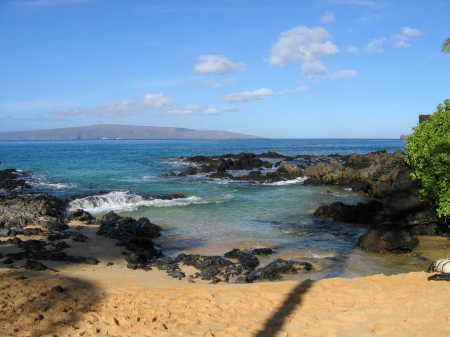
274,270
388,239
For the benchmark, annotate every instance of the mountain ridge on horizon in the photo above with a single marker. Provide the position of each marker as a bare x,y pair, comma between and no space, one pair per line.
120,131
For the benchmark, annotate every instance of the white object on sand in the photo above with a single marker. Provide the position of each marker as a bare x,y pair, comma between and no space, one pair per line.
440,266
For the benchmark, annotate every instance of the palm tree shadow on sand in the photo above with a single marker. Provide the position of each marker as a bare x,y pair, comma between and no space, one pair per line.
295,298
275,323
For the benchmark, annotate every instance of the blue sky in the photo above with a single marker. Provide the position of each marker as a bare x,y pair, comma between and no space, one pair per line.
285,68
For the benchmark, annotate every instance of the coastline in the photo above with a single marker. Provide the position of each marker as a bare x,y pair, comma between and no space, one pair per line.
94,287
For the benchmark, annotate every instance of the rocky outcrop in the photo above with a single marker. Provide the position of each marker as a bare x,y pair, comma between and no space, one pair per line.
236,266
274,270
383,178
362,213
395,208
261,170
81,216
13,180
20,211
388,239
135,235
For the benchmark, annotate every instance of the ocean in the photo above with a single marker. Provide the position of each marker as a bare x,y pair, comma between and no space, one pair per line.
216,214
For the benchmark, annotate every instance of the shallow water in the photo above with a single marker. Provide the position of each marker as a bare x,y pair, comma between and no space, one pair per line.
216,214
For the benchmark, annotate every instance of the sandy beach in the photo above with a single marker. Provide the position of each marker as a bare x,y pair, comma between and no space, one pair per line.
33,304
111,300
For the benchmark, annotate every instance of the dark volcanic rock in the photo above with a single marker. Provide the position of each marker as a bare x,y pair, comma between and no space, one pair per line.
35,265
43,250
45,210
262,251
385,179
123,228
247,260
274,270
388,239
135,235
363,213
82,216
12,180
262,171
200,261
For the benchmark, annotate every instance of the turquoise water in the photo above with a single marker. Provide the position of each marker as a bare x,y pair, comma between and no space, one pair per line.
216,213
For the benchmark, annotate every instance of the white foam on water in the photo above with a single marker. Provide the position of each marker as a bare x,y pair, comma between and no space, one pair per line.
36,180
57,186
299,180
177,162
126,201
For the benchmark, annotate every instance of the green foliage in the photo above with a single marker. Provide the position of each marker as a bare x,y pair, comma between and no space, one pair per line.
428,151
446,46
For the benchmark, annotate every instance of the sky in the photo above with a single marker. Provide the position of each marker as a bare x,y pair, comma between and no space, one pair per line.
280,69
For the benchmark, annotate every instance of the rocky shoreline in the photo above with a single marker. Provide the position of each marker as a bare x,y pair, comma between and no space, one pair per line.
394,211
42,222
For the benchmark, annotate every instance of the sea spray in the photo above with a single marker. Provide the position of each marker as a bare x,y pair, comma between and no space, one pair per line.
126,201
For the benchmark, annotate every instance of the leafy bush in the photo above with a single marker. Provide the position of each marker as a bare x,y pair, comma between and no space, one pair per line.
428,154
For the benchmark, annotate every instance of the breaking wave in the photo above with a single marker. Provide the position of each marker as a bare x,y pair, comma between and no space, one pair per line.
299,180
40,181
126,201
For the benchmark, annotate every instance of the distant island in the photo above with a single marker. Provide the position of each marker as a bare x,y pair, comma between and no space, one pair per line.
116,132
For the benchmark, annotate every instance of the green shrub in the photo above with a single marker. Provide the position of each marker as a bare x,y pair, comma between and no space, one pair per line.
428,154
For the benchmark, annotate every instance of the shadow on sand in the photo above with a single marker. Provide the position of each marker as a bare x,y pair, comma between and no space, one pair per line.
36,304
293,300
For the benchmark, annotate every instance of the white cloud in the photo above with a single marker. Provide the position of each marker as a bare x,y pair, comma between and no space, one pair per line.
352,50
304,45
155,101
195,109
150,101
402,40
214,83
328,17
402,44
376,45
253,95
344,73
411,32
247,96
216,64
314,70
